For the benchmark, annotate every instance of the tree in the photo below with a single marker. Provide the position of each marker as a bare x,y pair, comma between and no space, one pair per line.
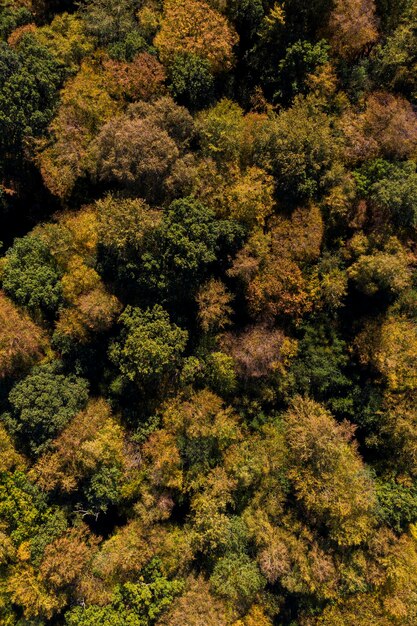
141,79
136,604
66,40
85,106
193,27
382,272
13,17
259,351
394,194
42,404
192,82
250,198
329,478
29,81
31,276
352,27
221,131
138,149
106,23
195,605
214,306
237,578
270,266
301,148
385,128
149,347
396,59
189,242
302,59
21,341
195,434
91,444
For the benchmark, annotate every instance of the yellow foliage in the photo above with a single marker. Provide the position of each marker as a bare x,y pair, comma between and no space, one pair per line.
9,458
85,106
328,475
27,590
390,346
91,439
194,27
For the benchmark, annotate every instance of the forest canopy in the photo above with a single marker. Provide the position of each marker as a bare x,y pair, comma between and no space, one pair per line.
208,313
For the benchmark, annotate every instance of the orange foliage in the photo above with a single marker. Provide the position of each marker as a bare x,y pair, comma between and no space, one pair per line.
21,341
270,265
259,351
352,27
386,127
142,79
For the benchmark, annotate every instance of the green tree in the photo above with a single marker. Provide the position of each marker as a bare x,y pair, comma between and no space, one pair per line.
189,241
149,348
29,81
42,404
137,604
31,276
192,82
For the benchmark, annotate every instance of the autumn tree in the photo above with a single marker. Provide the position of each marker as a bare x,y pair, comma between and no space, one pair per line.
301,148
21,341
329,478
193,27
141,79
353,26
138,149
214,306
90,447
85,106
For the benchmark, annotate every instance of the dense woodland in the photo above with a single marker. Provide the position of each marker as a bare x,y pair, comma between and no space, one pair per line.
208,313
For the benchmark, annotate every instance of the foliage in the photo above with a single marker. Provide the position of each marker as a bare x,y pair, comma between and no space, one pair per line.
208,305
43,403
149,347
191,80
193,27
29,81
31,276
21,341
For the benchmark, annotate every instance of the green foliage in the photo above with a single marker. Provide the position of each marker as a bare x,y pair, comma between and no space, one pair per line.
133,604
29,81
301,59
396,194
301,148
192,82
237,578
12,17
31,276
42,404
397,504
189,241
319,370
149,347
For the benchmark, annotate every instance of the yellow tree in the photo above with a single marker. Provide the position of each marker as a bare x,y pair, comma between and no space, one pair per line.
328,475
194,27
